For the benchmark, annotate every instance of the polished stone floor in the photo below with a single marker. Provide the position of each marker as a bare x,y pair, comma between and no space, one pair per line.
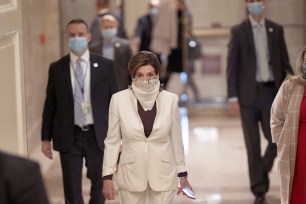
215,158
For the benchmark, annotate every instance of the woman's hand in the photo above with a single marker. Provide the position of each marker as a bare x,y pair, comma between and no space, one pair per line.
109,190
183,183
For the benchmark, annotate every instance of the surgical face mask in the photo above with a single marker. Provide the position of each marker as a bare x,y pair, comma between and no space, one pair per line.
109,33
146,86
256,8
304,67
154,11
77,44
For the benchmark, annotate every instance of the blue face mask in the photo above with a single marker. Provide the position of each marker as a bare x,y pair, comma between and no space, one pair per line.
109,33
304,67
153,11
256,8
77,44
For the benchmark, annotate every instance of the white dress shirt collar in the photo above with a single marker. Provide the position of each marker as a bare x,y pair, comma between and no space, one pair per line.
255,23
84,57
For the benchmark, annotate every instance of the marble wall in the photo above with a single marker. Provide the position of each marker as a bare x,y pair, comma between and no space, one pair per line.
12,106
41,45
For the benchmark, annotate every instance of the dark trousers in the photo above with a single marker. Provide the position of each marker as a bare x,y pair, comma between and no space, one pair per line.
251,116
84,147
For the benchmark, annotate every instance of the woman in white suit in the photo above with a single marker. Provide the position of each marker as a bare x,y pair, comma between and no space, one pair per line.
146,119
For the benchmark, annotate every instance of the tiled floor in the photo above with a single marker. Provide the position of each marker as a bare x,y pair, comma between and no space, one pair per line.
215,157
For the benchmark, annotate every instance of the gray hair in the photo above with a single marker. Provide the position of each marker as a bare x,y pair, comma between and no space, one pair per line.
109,18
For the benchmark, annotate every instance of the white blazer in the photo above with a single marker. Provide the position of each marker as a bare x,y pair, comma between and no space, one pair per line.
153,161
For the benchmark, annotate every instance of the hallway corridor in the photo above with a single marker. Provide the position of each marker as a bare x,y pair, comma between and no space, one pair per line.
215,158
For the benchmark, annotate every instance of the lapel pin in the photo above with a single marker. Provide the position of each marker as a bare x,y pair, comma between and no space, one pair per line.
270,30
95,64
117,44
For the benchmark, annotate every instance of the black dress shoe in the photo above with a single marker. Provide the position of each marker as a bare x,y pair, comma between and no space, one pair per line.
269,157
260,199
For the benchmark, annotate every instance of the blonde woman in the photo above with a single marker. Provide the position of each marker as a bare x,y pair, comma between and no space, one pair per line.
288,126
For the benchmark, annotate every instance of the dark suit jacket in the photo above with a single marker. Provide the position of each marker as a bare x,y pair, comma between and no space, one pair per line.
58,114
122,56
20,181
144,32
241,67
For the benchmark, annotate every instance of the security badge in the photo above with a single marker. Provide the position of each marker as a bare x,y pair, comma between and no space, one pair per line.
85,107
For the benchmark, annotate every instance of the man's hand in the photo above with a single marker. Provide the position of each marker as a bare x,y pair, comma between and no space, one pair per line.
47,149
109,190
234,108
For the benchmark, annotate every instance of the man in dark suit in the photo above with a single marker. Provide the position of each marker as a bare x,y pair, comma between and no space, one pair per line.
117,49
20,181
257,64
144,28
75,114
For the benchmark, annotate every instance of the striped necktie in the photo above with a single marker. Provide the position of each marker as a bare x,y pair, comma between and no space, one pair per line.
79,117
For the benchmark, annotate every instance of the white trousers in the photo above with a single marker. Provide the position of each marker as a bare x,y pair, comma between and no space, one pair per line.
146,197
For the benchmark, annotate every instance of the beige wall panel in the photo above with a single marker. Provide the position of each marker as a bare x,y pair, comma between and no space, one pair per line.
40,20
78,9
12,24
222,12
295,44
285,11
12,117
5,2
12,131
212,85
133,10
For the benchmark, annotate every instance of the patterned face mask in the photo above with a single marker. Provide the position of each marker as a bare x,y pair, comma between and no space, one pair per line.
146,86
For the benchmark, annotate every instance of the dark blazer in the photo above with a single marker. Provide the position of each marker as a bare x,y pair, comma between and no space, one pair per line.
122,56
20,181
58,114
241,67
144,32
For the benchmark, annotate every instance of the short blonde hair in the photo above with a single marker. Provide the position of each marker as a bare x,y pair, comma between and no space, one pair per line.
300,76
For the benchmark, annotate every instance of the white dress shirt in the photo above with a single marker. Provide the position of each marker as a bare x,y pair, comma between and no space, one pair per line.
261,50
